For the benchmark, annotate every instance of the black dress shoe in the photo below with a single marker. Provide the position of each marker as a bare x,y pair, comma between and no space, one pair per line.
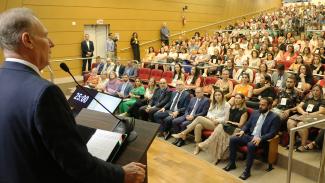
167,135
176,141
180,143
230,166
244,175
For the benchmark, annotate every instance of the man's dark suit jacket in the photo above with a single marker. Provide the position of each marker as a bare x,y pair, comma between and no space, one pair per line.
182,103
85,49
160,98
38,136
120,71
202,109
270,126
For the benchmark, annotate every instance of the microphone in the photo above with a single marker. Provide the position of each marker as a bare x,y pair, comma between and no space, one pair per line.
128,123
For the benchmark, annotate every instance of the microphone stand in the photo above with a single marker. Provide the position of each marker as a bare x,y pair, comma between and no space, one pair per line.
128,123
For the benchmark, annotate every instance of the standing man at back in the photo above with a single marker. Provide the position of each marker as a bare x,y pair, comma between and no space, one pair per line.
164,34
87,48
38,132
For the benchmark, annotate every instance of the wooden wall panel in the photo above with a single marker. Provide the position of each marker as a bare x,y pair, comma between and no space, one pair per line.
125,17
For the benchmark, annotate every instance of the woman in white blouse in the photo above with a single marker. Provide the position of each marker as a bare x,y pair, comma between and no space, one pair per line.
218,113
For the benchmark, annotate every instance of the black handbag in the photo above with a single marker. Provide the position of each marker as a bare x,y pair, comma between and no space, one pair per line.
229,128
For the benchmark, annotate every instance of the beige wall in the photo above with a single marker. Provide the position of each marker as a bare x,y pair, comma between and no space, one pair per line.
127,16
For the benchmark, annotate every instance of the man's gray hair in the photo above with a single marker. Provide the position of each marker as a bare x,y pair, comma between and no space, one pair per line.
13,23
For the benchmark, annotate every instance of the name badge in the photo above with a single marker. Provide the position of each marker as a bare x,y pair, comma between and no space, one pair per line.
314,72
214,61
299,85
259,97
310,107
283,101
323,91
279,83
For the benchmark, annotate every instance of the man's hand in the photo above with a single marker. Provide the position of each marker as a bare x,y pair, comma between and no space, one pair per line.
161,110
189,117
134,172
239,134
174,114
256,140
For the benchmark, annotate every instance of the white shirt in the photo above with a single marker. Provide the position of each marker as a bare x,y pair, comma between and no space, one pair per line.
24,62
259,124
220,114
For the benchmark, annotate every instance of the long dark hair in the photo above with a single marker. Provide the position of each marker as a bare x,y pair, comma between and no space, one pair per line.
308,71
180,72
196,75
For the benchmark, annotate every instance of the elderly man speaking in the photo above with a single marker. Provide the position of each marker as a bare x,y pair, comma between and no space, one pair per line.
38,137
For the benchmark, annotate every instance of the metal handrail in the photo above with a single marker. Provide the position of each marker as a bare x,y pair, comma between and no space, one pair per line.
292,132
201,27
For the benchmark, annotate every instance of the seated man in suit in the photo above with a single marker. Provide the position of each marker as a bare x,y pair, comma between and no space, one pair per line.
159,99
119,69
198,106
131,70
124,88
262,125
174,108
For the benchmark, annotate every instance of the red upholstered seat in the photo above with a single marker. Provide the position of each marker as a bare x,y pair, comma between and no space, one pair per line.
168,75
210,80
144,74
156,73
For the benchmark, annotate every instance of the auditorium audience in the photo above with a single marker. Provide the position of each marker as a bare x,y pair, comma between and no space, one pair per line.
218,113
193,80
175,107
124,88
262,125
159,99
134,95
313,104
224,84
198,106
134,109
218,142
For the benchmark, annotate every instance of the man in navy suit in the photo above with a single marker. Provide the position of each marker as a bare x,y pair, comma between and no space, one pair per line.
38,134
124,89
87,49
175,107
159,99
261,126
198,106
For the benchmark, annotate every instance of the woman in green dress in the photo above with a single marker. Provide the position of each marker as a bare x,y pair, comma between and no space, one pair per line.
135,94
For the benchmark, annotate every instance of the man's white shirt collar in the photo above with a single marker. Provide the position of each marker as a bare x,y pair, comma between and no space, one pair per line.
24,62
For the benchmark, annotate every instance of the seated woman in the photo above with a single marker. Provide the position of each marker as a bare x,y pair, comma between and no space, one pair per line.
254,61
243,87
161,57
244,69
93,80
230,67
224,84
178,74
193,80
135,94
304,79
317,67
317,143
217,144
307,55
134,109
290,55
218,113
263,69
311,105
270,62
149,57
262,89
295,66
112,84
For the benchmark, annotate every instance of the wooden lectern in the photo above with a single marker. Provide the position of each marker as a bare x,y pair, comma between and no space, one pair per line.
135,151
